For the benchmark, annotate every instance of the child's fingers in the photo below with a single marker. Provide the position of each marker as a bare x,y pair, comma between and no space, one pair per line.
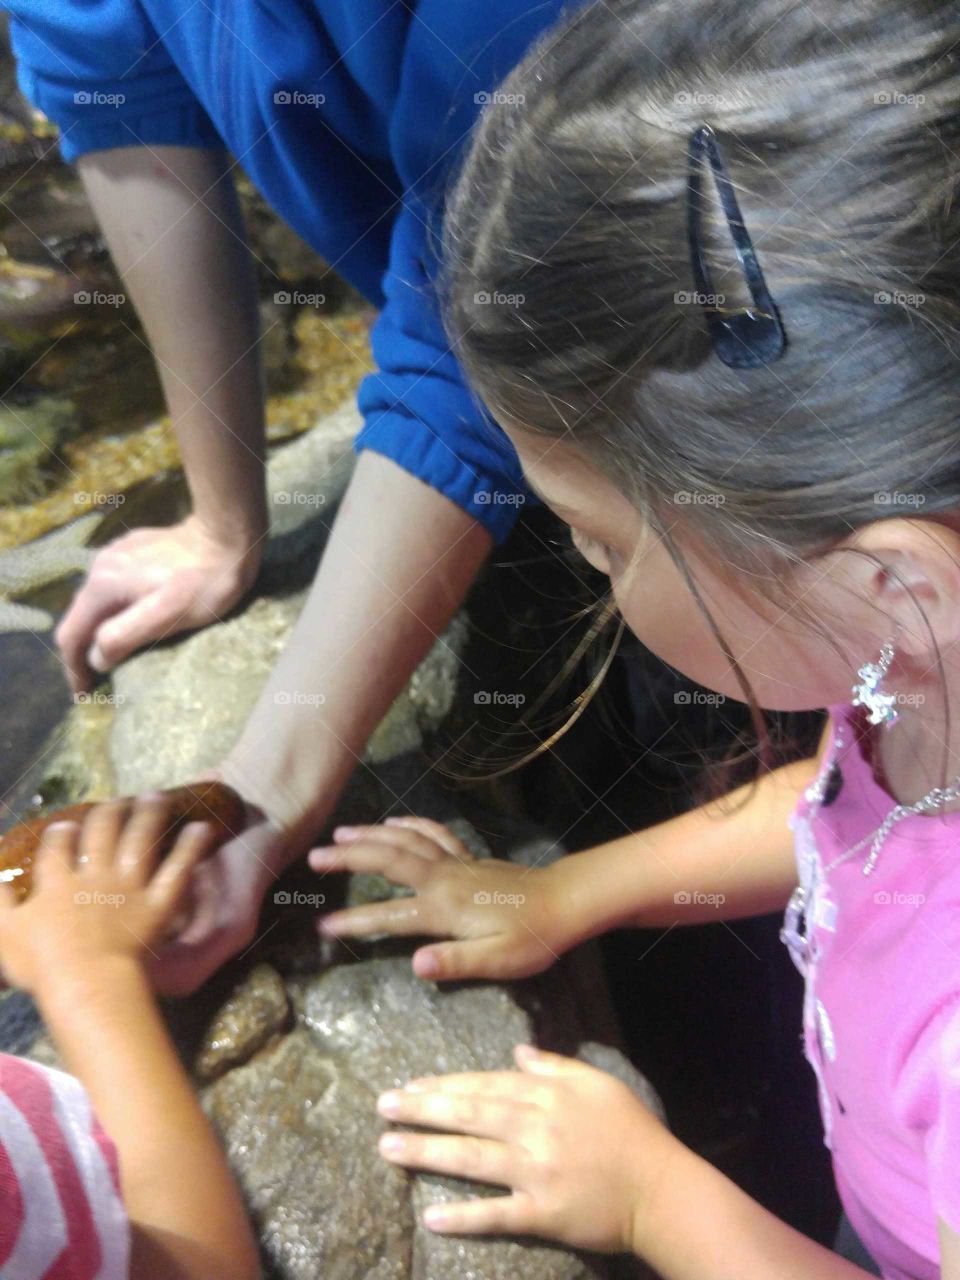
374,857
477,1114
512,1086
100,832
8,898
543,1063
479,1159
401,916
171,879
436,832
144,835
55,855
456,961
488,1215
394,836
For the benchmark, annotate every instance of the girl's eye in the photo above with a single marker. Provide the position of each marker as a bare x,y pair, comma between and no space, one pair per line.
596,553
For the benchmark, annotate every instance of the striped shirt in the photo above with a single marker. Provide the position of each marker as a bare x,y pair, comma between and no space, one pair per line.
61,1212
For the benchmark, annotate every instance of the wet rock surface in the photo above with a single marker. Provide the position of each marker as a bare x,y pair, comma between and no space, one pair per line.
291,1044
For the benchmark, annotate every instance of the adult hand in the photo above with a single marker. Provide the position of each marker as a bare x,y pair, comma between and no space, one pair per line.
223,906
147,585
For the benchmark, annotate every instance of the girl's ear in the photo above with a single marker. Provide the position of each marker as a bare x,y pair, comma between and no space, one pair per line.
909,572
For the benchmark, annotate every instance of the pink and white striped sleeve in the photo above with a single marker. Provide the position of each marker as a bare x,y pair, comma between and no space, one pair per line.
61,1212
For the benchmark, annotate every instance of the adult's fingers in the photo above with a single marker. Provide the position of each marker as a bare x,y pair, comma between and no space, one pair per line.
96,600
161,613
170,881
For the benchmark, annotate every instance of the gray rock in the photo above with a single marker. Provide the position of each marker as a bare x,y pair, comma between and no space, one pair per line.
295,1104
299,1123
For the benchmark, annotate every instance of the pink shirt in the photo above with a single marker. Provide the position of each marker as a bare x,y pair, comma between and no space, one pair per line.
882,1005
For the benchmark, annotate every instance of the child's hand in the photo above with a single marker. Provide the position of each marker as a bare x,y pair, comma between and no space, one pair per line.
98,892
581,1154
508,920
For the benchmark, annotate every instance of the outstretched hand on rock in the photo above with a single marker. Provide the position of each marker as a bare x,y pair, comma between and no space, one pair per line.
145,586
506,921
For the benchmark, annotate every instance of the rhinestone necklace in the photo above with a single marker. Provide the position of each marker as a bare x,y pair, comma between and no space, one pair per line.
934,797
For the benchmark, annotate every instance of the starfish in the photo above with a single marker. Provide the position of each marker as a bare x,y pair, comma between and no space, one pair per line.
23,569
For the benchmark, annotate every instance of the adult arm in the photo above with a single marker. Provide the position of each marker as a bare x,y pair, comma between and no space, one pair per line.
171,220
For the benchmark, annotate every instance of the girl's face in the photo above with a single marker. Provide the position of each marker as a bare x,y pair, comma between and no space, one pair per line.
790,666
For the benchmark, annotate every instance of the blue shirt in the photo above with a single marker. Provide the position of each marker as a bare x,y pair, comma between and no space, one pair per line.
348,115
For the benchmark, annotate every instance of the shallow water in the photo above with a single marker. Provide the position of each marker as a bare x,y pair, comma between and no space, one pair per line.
81,414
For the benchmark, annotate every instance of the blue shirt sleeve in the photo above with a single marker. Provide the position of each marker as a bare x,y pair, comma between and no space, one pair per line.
101,73
417,407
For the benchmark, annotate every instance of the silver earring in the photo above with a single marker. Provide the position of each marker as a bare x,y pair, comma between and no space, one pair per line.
869,693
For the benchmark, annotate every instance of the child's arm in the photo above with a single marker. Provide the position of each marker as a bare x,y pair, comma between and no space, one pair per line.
78,945
509,921
586,1163
708,864
727,1234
